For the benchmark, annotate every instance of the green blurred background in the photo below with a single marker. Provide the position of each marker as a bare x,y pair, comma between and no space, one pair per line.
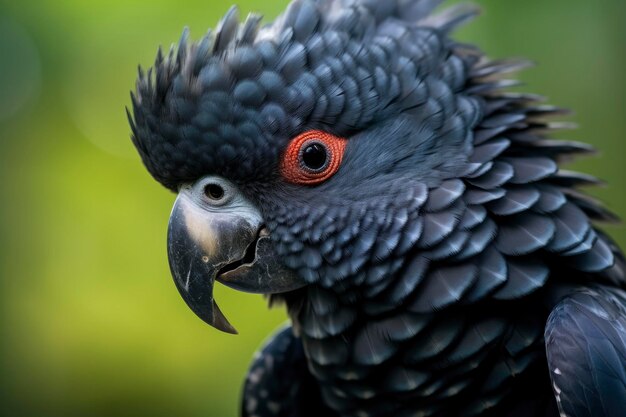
90,322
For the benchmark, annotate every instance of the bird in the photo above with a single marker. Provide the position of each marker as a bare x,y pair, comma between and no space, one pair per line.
356,164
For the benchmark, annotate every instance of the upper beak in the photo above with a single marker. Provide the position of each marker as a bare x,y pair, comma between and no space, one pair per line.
221,239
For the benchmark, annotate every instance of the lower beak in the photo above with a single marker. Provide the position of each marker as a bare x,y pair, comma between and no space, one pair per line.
225,242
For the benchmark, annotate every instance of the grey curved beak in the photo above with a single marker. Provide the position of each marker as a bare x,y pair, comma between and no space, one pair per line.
221,239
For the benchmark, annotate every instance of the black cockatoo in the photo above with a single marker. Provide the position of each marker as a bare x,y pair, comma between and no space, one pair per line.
354,162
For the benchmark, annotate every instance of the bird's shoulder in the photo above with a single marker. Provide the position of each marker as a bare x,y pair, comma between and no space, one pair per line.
279,383
586,349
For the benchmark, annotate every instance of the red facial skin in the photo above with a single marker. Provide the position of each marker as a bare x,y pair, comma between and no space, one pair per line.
294,171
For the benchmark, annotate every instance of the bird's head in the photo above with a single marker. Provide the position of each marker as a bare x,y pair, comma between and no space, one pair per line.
304,152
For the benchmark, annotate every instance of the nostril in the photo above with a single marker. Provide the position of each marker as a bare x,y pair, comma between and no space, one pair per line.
214,192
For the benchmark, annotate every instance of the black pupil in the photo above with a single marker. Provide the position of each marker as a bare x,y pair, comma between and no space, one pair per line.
314,156
214,191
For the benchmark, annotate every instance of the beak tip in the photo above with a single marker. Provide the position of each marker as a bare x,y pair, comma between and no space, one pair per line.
226,329
220,321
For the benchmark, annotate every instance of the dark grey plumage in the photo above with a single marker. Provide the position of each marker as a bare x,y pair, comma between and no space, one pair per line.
586,335
444,244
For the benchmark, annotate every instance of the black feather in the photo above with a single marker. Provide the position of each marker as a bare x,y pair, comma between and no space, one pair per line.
443,287
531,169
572,226
550,200
481,237
599,258
443,197
435,341
492,274
586,349
500,174
524,277
524,233
515,201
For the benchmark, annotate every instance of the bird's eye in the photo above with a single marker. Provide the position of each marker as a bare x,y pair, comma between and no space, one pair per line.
214,192
312,157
